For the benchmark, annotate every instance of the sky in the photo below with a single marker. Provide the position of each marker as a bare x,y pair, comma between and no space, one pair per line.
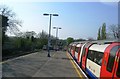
77,19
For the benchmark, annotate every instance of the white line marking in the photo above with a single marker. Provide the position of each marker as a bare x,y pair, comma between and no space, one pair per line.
42,67
17,58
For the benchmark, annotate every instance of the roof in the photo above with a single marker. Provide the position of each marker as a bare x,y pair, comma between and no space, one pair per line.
100,42
78,45
105,41
98,47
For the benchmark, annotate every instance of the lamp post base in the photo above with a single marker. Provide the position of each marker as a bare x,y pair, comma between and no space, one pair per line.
48,55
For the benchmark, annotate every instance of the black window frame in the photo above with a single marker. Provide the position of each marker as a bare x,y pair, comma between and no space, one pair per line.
111,58
77,49
83,51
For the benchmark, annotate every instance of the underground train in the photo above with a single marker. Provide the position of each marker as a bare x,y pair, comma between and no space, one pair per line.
98,59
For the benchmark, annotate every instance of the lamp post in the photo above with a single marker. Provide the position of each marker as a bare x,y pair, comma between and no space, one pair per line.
56,33
45,14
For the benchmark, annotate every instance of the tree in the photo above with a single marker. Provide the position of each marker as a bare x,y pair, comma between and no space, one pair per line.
42,35
26,40
42,39
13,23
4,23
99,34
103,32
115,31
69,40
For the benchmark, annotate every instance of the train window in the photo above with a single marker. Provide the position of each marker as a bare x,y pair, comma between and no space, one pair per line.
77,49
91,55
112,58
73,47
98,57
118,70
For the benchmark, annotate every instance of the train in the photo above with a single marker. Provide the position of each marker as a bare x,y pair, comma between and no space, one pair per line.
98,59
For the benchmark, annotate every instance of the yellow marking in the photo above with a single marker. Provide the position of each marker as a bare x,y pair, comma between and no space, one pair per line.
75,67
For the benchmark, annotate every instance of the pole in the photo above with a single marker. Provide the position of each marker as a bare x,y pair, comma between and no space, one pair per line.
56,35
49,36
48,47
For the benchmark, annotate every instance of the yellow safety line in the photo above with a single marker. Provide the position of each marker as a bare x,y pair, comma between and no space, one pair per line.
75,67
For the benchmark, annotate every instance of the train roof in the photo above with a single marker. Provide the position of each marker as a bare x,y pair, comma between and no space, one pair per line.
81,43
105,41
99,47
78,45
96,42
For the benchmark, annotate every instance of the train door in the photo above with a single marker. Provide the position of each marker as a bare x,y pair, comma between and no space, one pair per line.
117,66
73,50
76,53
109,61
83,59
84,55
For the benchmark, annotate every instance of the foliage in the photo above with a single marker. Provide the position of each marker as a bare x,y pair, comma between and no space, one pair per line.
42,39
26,41
12,22
103,32
114,30
4,23
69,40
99,34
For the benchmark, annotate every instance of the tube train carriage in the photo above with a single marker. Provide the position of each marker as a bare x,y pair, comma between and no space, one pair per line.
98,59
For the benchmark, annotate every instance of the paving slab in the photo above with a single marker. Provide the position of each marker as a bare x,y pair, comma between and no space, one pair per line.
39,65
